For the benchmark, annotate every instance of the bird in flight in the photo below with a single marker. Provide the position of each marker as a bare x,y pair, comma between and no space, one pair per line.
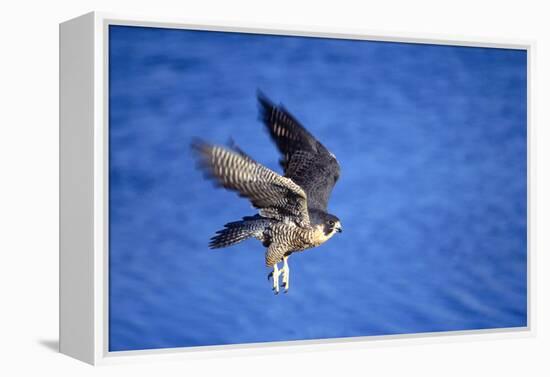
292,208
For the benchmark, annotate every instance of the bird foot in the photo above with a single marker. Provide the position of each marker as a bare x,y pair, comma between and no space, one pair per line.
275,276
276,273
286,275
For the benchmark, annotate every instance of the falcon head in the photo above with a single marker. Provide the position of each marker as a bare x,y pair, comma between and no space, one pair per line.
331,224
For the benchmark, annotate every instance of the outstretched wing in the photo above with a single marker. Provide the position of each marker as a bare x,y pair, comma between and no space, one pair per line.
305,160
274,195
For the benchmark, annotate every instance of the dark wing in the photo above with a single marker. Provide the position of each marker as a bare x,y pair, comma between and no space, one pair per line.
276,196
305,160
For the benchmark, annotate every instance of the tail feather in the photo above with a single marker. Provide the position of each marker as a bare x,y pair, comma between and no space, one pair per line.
238,231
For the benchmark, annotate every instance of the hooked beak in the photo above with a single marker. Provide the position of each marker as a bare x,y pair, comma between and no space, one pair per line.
339,228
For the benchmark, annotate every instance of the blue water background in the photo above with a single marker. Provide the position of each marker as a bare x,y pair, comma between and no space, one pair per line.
432,195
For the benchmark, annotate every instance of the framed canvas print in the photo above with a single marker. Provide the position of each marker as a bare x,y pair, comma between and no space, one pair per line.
234,189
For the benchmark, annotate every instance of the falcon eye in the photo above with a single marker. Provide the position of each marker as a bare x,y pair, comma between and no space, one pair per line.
330,222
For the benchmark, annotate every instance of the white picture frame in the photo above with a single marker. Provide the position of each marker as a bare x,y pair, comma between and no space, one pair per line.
84,189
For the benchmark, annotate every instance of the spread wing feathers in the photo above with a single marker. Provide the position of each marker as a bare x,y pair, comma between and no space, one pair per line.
289,135
275,196
305,160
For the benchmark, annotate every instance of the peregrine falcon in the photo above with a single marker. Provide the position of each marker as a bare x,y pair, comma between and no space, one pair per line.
292,208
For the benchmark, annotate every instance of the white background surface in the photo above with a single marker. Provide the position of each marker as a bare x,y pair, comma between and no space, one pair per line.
29,189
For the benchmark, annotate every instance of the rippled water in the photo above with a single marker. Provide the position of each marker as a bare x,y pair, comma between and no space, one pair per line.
432,195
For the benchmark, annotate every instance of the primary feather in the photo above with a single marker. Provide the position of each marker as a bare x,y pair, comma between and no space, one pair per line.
305,160
276,196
